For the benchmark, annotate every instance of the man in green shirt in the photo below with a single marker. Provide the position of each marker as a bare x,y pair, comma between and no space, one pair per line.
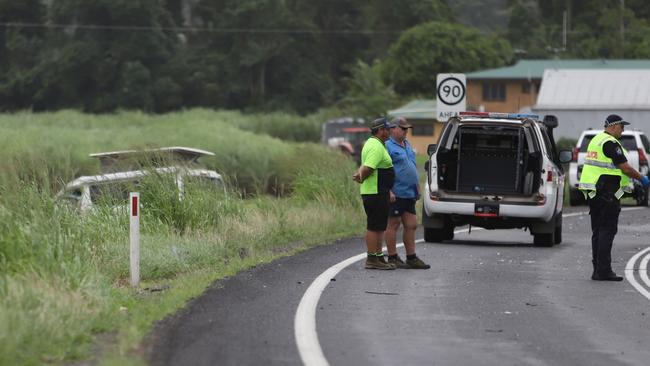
376,176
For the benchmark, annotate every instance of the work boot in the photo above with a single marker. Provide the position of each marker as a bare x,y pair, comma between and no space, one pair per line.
397,262
383,259
378,263
611,276
417,263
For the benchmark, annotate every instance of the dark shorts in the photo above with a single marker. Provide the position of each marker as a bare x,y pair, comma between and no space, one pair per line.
376,207
402,205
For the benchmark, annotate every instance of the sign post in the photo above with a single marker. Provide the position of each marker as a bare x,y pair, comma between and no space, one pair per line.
134,215
450,94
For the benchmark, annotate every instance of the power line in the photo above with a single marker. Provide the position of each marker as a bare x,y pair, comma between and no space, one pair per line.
138,28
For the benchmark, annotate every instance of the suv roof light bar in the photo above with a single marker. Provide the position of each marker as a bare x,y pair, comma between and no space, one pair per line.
499,115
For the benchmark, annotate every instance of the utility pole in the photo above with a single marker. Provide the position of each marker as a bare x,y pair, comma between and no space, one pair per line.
622,29
564,29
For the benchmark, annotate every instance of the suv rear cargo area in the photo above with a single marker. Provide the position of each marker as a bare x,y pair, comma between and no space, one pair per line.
490,160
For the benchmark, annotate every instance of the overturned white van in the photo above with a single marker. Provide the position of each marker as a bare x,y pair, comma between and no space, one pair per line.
120,176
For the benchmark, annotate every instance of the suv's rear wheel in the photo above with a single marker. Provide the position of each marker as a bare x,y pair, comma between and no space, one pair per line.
432,235
558,229
544,240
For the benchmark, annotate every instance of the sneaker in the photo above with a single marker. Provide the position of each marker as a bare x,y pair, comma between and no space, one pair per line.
378,263
417,263
398,262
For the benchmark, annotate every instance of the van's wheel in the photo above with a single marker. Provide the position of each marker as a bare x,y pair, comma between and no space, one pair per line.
558,229
544,240
449,233
576,198
433,235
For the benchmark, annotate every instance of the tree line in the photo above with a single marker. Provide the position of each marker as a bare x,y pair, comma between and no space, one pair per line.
295,55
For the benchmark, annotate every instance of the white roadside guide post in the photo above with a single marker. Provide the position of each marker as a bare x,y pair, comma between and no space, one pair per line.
134,214
450,95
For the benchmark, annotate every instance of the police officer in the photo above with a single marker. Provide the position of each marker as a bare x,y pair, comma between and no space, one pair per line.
605,176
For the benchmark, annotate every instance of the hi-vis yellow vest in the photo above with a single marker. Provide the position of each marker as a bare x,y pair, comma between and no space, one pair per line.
597,164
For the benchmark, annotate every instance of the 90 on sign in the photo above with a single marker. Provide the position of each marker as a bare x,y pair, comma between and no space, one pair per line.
451,91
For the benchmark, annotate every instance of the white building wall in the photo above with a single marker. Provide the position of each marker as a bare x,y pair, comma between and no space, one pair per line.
573,122
583,98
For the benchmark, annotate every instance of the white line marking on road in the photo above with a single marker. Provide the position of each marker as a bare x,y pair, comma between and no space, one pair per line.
305,320
309,347
643,271
304,323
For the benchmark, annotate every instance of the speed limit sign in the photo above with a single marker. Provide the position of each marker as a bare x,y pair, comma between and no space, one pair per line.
451,95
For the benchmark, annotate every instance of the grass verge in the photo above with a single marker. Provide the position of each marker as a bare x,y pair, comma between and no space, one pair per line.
64,294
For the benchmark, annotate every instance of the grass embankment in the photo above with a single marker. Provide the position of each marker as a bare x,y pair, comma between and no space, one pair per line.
64,276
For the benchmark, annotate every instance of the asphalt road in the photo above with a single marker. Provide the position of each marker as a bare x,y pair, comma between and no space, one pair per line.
490,298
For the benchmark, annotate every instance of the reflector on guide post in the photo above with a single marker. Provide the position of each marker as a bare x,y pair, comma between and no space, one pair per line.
134,215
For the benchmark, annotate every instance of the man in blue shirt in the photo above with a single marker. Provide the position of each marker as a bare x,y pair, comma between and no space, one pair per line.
403,195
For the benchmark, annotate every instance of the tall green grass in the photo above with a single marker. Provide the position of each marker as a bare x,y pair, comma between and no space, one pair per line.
64,275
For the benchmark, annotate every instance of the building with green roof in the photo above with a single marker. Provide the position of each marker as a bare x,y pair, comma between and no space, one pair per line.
515,88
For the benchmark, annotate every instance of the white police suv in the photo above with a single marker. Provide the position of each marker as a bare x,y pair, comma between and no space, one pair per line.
496,171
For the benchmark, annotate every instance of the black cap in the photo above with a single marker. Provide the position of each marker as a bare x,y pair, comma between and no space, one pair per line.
615,119
381,122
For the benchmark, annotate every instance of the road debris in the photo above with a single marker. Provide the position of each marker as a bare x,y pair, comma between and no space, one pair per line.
382,293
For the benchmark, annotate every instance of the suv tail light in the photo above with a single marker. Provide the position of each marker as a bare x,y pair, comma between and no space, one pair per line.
551,174
576,150
643,160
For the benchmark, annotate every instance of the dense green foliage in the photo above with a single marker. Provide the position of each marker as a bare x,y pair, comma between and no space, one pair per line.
431,48
487,15
536,28
292,55
594,28
368,95
64,275
158,56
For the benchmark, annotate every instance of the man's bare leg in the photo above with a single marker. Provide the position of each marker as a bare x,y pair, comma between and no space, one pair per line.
374,241
391,234
410,222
